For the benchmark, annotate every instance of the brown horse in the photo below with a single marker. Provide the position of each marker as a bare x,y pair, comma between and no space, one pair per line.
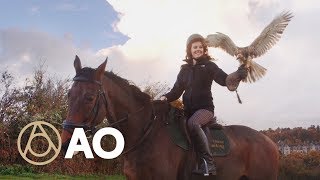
149,153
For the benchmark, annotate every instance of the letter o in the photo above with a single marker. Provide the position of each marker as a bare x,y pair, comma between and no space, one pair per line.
96,143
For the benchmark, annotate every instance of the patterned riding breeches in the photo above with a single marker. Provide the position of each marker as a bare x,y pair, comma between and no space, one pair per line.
200,117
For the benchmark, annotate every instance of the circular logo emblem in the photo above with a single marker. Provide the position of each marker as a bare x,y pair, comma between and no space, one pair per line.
38,130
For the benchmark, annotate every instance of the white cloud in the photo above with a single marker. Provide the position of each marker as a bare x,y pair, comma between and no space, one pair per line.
156,26
22,51
34,10
25,57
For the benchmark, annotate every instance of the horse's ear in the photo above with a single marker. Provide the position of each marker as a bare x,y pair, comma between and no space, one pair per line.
77,64
101,69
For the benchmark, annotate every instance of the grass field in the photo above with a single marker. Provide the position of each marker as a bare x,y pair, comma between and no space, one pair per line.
52,176
17,171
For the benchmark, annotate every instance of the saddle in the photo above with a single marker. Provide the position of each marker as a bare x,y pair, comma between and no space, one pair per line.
177,128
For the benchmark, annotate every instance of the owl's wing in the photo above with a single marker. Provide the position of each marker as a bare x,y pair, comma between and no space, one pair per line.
270,34
222,41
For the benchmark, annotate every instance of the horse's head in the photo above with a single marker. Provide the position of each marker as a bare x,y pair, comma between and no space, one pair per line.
87,101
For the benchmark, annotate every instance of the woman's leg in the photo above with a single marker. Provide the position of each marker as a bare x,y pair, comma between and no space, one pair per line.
200,117
195,122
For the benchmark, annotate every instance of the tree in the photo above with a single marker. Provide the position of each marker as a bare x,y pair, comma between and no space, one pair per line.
156,89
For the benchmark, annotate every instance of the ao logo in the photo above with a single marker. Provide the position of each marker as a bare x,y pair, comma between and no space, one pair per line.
78,135
39,125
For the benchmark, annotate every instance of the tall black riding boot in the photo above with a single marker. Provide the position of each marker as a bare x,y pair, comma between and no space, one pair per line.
202,147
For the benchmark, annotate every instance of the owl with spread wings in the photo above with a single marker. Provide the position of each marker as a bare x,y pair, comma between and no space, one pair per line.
268,37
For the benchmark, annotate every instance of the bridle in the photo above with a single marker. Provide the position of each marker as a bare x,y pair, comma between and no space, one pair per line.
91,128
69,126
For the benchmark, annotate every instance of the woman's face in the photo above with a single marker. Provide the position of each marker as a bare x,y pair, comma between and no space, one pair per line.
196,50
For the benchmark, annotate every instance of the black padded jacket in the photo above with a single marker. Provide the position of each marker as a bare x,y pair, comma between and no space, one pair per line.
195,81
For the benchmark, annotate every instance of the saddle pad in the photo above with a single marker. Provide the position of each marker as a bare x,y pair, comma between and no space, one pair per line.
219,143
177,136
175,132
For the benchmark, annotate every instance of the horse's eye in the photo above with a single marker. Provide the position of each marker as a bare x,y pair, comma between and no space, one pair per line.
89,98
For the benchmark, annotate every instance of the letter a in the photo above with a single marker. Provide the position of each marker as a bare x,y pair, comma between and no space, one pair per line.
78,134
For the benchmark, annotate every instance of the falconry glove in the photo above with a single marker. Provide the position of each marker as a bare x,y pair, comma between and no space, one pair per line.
233,79
242,72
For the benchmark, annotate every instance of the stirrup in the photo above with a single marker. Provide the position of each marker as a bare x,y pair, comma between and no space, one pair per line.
206,170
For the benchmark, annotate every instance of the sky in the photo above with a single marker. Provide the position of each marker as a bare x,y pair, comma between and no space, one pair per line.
145,42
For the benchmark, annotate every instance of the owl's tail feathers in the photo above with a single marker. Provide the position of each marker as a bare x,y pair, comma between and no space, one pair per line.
255,72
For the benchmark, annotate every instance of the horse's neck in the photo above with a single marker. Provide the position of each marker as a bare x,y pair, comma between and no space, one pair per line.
124,104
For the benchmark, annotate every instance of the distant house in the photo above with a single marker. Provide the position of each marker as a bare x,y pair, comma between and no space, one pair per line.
304,148
297,149
286,149
313,147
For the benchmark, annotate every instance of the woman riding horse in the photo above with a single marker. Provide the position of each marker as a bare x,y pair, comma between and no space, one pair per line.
195,80
149,151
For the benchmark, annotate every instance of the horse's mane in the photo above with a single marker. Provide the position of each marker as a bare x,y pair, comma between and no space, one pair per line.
88,73
128,87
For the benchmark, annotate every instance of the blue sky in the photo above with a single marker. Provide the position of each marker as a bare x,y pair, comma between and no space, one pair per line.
88,23
145,42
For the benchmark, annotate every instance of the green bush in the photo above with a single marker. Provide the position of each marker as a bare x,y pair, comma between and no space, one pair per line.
15,169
